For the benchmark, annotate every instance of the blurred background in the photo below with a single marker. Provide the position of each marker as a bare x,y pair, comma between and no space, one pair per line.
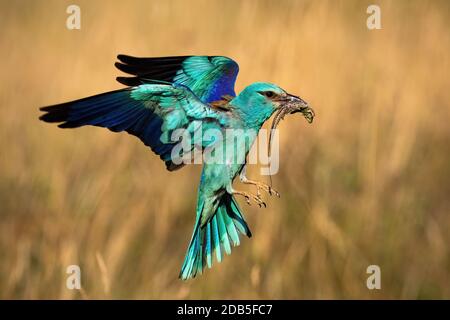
367,183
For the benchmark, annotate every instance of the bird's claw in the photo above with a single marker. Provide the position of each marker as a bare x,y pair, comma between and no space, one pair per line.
262,186
248,196
260,202
271,191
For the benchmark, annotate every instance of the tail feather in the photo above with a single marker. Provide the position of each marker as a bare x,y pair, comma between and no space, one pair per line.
208,248
223,233
216,239
218,235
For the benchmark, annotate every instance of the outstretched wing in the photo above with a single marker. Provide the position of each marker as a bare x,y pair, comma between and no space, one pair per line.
151,112
209,77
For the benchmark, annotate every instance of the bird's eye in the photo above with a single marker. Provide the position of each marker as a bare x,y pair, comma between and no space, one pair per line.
269,94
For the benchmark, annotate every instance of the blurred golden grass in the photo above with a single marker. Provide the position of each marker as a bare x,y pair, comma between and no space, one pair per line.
367,183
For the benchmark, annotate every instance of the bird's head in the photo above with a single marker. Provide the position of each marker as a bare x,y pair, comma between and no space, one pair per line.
262,99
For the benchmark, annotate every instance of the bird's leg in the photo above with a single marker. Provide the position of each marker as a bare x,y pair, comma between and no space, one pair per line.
262,186
251,196
248,196
259,185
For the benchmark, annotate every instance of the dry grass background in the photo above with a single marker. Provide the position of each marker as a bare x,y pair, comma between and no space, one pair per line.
367,183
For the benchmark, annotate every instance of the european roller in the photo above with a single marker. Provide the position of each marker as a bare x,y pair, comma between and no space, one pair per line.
167,94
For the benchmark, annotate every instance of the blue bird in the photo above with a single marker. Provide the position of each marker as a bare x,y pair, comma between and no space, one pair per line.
194,94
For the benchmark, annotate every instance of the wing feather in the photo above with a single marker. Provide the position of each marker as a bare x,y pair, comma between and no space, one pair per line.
151,112
209,77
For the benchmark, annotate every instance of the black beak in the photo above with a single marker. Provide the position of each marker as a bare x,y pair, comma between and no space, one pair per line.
296,104
288,105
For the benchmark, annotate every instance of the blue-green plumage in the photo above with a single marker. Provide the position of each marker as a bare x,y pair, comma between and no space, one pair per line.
171,93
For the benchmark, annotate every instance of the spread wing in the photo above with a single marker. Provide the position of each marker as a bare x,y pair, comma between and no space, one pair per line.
151,112
209,77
